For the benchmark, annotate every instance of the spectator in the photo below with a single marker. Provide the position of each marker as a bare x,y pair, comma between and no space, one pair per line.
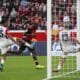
13,13
16,4
20,11
4,3
24,3
1,3
43,24
73,8
27,12
66,20
2,12
61,26
55,31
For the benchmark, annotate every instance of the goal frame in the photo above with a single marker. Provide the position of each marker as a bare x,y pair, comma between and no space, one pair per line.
49,55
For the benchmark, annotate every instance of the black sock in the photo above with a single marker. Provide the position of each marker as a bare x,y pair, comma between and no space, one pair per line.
35,58
36,63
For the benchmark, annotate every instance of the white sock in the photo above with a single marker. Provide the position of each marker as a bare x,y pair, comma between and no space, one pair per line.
59,67
2,61
28,45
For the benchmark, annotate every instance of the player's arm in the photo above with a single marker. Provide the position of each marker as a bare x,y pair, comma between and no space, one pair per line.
75,40
78,42
9,36
61,46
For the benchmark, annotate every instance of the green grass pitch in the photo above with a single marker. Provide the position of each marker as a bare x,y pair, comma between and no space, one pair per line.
23,68
69,66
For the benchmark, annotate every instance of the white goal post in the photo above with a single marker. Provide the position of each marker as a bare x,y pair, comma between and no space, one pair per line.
78,19
78,31
49,59
49,53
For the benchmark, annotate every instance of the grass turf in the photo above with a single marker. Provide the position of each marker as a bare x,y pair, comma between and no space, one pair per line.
23,68
69,66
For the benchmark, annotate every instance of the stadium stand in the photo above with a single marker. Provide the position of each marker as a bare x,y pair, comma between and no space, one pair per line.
24,11
34,12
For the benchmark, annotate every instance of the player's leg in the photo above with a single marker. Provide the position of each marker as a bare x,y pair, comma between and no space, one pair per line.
24,45
31,49
66,50
2,60
61,62
62,58
2,57
3,50
34,56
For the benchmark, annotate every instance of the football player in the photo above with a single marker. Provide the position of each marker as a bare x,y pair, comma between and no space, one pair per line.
5,40
27,41
69,44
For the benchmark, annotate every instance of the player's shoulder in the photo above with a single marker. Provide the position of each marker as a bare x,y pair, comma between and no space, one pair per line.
64,31
2,28
61,31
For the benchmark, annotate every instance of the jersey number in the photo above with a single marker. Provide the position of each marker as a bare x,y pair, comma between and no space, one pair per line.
65,37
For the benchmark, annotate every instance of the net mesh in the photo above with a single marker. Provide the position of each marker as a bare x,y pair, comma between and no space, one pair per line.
64,15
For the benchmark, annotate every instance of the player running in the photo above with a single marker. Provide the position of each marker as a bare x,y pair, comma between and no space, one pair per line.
5,40
69,44
27,41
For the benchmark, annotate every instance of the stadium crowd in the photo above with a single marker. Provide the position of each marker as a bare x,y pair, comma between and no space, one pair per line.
24,13
64,13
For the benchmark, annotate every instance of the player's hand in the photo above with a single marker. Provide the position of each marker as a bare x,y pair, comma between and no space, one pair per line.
16,39
34,40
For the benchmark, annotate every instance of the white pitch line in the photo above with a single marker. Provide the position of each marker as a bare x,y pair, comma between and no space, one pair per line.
61,75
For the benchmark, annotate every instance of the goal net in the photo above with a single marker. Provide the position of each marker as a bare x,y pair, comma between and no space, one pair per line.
62,14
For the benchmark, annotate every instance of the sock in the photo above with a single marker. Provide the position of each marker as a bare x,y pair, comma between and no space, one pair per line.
2,61
36,63
59,67
35,57
28,45
1,64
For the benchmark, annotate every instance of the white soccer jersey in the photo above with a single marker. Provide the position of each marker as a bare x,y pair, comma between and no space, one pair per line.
65,38
67,43
3,32
4,42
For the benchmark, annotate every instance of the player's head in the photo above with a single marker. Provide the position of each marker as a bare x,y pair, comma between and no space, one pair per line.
4,20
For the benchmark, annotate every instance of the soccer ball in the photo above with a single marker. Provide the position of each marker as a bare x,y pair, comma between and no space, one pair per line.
14,47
